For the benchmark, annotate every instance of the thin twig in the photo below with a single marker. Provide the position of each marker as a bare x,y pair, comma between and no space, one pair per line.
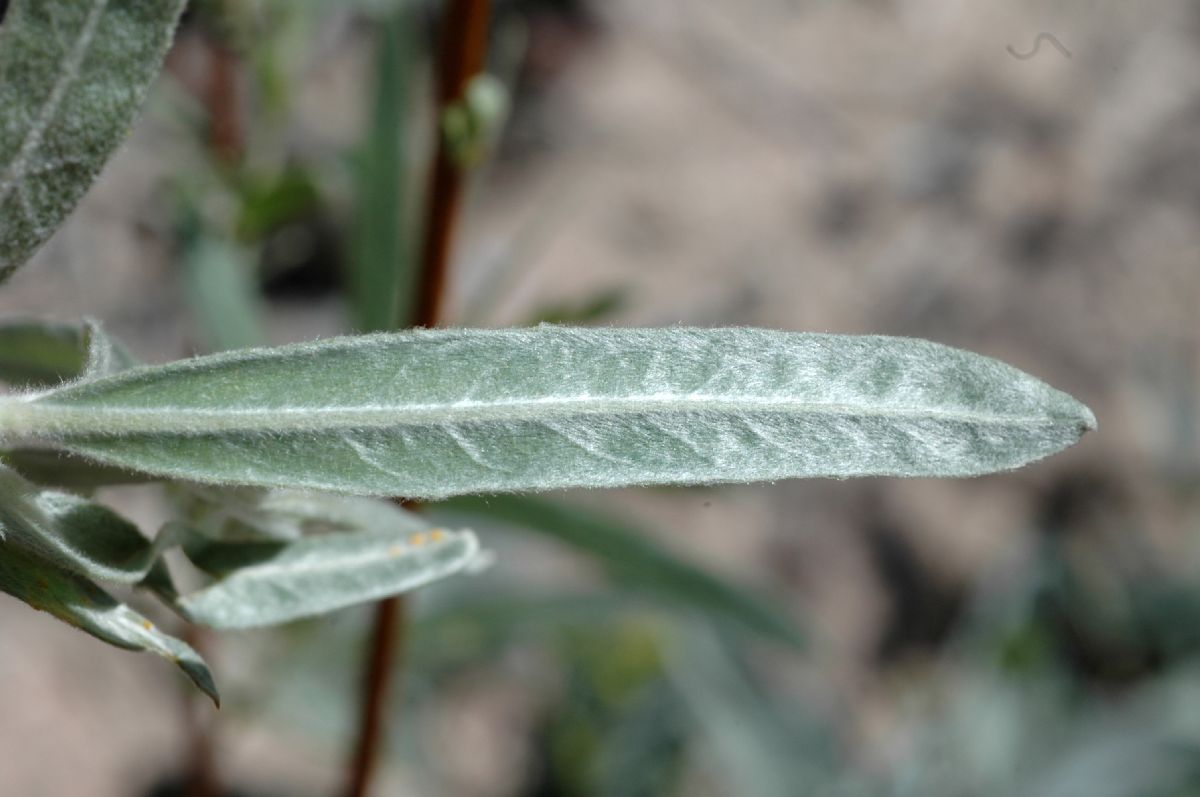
226,139
464,48
387,652
462,55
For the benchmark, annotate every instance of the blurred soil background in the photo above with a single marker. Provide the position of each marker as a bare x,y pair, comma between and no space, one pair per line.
867,166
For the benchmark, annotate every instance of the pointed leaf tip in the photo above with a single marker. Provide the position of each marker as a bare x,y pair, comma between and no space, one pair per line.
77,601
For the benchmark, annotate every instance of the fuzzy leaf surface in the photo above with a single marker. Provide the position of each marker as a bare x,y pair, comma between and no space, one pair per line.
77,601
72,75
266,583
436,413
74,533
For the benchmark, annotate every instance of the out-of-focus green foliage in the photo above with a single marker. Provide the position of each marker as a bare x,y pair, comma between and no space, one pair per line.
634,561
222,294
382,262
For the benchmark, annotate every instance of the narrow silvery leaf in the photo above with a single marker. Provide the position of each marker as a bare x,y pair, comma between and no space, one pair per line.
266,583
74,533
77,601
72,75
435,413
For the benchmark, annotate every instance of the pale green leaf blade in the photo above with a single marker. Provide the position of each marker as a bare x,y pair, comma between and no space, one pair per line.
74,533
267,583
77,601
72,75
634,561
435,413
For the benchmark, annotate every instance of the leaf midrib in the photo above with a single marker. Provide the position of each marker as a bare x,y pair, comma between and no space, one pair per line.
47,419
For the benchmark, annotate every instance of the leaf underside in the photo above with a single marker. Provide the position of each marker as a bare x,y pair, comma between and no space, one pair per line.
268,583
435,413
77,601
72,76
74,533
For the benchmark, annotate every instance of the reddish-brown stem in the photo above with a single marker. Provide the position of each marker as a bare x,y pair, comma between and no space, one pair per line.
461,57
387,640
225,138
463,51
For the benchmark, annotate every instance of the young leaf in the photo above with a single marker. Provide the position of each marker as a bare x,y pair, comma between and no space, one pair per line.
266,583
72,75
77,601
634,561
74,533
435,413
